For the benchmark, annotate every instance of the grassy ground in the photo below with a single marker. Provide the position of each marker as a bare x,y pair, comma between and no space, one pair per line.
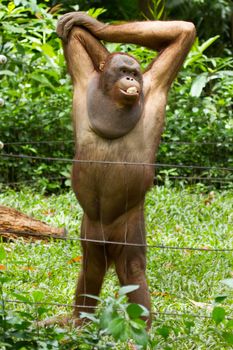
180,281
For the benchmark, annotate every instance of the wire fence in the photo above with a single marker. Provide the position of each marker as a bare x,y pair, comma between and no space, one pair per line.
157,180
106,162
226,177
218,175
218,143
174,313
61,180
109,242
73,306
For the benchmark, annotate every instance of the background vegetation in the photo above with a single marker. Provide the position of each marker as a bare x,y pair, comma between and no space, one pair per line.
37,92
35,108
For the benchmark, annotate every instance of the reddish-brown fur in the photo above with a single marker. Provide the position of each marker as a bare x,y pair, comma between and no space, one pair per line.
112,195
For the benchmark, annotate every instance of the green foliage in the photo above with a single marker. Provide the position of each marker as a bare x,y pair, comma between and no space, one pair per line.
19,331
218,314
156,9
36,91
117,322
121,320
211,17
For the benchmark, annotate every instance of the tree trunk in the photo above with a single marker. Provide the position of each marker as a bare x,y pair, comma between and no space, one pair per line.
14,224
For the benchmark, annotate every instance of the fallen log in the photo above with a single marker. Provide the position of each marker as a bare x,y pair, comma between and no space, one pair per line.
14,224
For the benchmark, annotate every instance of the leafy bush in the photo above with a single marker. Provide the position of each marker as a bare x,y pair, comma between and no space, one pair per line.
36,91
121,320
200,113
116,323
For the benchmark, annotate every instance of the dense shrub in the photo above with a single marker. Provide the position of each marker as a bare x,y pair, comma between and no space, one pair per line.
200,113
36,91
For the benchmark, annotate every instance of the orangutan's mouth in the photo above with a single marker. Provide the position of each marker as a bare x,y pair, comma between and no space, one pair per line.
131,91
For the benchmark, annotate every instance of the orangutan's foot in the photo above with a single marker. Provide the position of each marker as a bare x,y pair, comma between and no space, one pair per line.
62,321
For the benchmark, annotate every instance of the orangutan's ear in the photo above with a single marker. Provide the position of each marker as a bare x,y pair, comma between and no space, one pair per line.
101,66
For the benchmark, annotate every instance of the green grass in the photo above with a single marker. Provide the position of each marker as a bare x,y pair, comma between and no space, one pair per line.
177,278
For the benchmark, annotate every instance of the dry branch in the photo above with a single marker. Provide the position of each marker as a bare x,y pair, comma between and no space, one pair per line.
14,224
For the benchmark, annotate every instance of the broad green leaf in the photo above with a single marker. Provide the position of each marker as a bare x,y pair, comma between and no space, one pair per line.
89,316
198,85
218,314
140,337
11,6
6,72
208,42
163,331
43,80
2,14
191,59
145,311
220,298
134,310
13,29
128,289
138,323
107,316
117,328
225,73
48,50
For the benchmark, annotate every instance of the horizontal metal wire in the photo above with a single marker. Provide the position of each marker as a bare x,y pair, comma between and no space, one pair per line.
85,161
218,143
194,178
37,142
182,314
220,180
173,313
156,246
166,313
